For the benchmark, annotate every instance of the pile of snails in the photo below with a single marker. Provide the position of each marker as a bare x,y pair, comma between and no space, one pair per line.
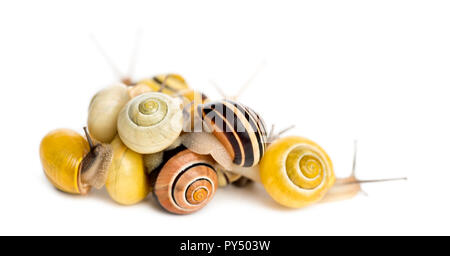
160,136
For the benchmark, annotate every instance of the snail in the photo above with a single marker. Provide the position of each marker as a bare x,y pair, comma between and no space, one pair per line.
72,163
104,110
127,182
150,122
186,182
107,103
238,128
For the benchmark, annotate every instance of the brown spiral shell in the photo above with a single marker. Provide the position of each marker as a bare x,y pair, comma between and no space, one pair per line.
186,182
240,130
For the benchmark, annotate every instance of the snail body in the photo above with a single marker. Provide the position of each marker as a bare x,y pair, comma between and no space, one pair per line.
127,182
186,182
226,177
73,164
153,161
150,122
296,172
104,110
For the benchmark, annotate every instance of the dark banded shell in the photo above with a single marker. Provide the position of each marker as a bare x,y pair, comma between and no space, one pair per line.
238,128
186,182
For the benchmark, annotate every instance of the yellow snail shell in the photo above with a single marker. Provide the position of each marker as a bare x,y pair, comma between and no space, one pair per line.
127,181
150,122
296,172
104,110
71,164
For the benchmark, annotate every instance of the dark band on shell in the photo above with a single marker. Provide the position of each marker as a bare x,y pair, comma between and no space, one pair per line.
238,128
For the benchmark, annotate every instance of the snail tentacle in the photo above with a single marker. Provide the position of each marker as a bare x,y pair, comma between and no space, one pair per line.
104,110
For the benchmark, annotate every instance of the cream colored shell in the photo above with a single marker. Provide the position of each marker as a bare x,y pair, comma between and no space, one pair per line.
150,122
104,110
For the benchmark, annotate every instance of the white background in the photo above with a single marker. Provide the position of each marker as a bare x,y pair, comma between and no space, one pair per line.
376,71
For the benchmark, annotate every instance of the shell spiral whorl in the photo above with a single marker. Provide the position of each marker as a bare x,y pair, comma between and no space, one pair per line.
150,122
296,172
304,167
148,112
186,183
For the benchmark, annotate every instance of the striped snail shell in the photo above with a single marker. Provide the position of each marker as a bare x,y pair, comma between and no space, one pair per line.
296,172
186,182
104,110
240,130
173,84
150,122
242,182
